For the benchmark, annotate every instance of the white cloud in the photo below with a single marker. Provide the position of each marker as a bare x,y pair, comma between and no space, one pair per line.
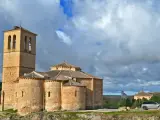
126,27
65,38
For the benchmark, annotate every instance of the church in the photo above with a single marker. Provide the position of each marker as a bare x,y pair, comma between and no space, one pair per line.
63,87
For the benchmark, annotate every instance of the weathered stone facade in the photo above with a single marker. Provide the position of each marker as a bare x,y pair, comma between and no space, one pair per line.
64,87
52,95
73,98
16,59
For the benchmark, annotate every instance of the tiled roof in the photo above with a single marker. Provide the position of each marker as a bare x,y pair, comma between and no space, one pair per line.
34,75
143,94
59,75
18,28
73,83
65,64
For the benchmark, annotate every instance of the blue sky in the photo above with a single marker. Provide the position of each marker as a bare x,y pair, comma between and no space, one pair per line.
67,6
117,40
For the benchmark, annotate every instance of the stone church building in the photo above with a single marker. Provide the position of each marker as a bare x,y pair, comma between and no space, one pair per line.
63,87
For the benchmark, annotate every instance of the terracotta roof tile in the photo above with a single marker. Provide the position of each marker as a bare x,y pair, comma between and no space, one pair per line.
60,74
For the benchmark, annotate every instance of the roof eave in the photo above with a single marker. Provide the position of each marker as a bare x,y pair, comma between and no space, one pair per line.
20,29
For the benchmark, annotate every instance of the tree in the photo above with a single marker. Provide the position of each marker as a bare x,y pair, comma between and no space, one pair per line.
138,102
122,103
128,102
125,102
155,98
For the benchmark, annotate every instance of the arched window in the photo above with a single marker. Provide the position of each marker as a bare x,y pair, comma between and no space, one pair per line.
30,45
49,94
14,41
9,42
25,43
22,93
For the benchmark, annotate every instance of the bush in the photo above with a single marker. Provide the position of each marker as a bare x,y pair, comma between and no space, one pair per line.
125,103
155,98
110,105
10,111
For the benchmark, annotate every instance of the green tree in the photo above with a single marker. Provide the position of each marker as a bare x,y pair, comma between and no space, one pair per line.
128,102
137,103
122,103
125,102
155,98
110,104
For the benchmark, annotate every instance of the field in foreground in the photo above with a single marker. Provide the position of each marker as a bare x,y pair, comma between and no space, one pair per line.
134,115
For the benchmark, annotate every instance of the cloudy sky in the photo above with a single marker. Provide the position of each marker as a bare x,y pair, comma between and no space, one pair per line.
117,40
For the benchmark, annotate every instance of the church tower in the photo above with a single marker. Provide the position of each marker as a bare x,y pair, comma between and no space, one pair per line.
18,58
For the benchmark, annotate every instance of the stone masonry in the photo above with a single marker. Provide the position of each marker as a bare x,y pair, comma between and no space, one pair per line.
64,87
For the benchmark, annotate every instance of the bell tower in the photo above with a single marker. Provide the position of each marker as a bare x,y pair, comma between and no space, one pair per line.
18,58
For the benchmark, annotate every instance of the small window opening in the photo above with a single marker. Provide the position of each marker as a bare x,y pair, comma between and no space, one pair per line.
14,42
75,93
9,42
25,43
16,94
49,94
30,45
22,93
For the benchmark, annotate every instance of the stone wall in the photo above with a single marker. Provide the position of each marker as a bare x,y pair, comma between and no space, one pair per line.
30,95
8,89
27,60
52,95
98,93
11,33
33,41
89,92
11,59
10,74
73,98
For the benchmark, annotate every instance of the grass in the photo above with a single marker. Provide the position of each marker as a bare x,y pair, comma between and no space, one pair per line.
138,112
149,112
76,115
10,111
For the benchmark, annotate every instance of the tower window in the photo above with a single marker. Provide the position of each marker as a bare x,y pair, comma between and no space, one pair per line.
25,43
16,94
49,94
14,42
30,45
22,93
9,42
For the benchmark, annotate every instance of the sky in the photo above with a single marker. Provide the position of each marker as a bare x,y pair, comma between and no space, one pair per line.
117,40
